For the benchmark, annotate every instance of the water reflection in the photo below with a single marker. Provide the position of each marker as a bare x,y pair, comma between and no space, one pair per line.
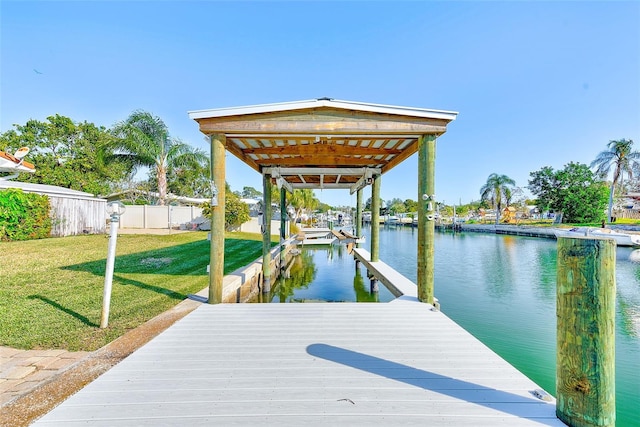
322,274
498,268
299,273
545,262
364,293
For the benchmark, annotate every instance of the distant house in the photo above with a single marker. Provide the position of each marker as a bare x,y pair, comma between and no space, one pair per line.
533,212
134,196
509,215
72,212
254,206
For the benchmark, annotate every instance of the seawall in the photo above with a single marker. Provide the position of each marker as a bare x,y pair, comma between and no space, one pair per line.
545,232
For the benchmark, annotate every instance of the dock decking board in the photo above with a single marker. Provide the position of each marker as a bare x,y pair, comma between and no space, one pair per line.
313,364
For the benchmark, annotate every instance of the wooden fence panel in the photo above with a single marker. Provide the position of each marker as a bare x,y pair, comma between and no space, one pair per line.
72,216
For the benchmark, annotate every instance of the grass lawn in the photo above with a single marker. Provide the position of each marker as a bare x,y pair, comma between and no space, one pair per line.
51,289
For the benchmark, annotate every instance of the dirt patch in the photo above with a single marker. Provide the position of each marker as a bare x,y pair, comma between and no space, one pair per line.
156,262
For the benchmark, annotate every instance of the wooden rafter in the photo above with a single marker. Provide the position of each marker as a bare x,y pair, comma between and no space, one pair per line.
235,150
322,135
321,149
320,161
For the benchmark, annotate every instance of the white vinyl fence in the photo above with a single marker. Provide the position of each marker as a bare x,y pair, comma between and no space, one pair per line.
253,226
182,218
146,216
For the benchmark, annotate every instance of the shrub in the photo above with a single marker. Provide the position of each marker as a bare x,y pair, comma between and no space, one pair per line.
23,216
236,211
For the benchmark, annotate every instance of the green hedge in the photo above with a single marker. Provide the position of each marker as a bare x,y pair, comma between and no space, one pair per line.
23,216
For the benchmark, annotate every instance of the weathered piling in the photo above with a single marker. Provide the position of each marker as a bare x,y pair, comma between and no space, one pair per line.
266,234
358,220
586,289
426,217
375,218
283,225
216,263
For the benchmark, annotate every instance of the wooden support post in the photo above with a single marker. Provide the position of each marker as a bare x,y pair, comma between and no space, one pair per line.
585,311
216,260
283,225
373,286
375,218
266,234
358,219
426,219
373,282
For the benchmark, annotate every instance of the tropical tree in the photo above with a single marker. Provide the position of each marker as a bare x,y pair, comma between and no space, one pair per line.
65,153
302,201
575,191
396,205
545,186
144,141
622,158
497,190
367,204
410,205
250,193
190,181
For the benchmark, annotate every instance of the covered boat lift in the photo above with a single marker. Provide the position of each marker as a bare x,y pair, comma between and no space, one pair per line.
324,144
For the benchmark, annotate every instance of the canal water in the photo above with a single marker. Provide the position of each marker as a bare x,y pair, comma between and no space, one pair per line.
500,288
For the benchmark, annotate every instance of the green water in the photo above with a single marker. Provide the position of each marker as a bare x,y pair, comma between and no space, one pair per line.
502,289
499,288
324,274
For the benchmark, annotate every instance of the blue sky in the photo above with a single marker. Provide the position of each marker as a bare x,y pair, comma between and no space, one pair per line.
535,83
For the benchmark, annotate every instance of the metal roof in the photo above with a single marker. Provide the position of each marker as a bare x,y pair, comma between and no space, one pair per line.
322,102
322,143
52,190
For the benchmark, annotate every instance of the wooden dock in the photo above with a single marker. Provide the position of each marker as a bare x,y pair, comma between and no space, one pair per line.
398,285
397,363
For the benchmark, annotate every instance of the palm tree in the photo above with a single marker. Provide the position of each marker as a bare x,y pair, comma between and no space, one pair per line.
622,158
303,201
497,189
144,140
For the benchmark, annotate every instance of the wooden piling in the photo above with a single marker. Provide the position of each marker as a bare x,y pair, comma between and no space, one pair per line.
266,233
283,225
586,290
375,219
426,220
216,257
358,219
373,285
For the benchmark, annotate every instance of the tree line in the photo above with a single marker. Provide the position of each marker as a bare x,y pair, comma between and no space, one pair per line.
101,161
579,192
86,157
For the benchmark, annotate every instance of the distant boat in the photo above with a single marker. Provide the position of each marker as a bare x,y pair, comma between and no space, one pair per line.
405,220
622,239
391,220
15,163
326,236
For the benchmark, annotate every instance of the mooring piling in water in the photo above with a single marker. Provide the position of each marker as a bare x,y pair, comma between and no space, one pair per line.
586,291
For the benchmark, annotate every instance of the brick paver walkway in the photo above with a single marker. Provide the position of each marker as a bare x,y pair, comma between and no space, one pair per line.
22,370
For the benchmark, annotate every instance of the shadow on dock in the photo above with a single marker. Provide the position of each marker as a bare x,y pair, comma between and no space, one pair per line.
489,397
